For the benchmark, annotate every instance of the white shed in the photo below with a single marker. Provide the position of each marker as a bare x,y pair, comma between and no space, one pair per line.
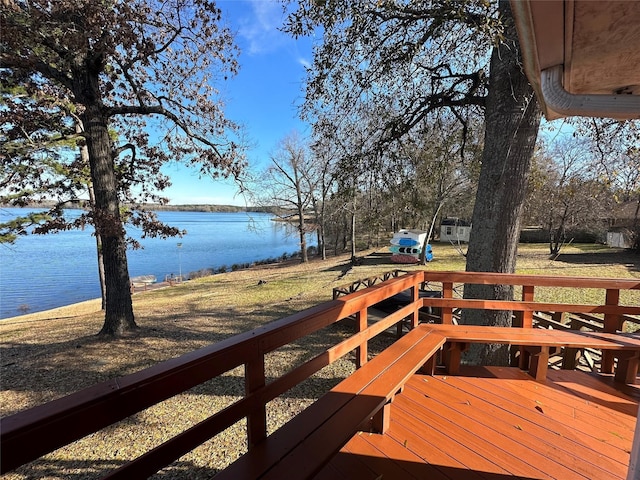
454,230
619,240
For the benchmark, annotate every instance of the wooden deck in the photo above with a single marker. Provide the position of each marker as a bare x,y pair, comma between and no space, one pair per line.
497,423
489,424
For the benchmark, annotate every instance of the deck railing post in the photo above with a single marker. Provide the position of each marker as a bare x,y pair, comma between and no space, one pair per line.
415,297
361,325
611,324
447,312
524,319
257,419
527,296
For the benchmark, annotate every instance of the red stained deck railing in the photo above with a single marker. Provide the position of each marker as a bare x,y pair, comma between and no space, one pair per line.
27,435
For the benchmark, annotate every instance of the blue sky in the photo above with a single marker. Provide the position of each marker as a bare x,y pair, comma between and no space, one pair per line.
262,97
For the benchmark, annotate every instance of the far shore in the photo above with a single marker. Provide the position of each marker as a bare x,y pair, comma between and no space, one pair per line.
195,207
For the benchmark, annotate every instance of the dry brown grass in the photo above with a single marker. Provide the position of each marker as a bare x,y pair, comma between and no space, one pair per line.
50,354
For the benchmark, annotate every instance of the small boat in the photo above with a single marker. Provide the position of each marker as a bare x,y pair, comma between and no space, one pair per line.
405,242
406,246
408,238
401,249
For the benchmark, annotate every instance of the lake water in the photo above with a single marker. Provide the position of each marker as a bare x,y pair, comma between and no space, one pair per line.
40,272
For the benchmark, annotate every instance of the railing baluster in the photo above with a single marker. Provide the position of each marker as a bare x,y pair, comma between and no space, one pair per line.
447,312
524,319
362,351
527,296
257,419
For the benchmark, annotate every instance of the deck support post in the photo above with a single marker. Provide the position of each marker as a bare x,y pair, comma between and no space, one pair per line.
524,319
447,312
611,324
627,366
570,358
429,367
558,317
539,362
415,298
452,356
382,419
257,419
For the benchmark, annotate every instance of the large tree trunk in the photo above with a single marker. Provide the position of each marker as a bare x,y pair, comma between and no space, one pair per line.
303,238
512,119
118,307
84,154
100,256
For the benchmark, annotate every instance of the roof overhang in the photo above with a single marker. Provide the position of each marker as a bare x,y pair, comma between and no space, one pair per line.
582,57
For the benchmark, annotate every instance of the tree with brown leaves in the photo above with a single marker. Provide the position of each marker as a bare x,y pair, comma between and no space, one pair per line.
133,82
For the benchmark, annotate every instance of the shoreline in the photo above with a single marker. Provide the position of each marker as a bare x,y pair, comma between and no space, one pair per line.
263,263
93,305
41,274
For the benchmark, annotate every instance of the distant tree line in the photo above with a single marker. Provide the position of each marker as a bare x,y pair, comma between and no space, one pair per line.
579,186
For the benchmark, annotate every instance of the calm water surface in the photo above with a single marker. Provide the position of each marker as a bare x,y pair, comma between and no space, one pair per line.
40,272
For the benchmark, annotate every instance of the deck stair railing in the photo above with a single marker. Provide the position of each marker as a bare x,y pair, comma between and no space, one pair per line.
30,434
363,283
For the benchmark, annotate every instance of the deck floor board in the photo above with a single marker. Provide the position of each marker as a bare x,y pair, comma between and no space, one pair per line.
520,458
497,423
604,426
586,434
508,421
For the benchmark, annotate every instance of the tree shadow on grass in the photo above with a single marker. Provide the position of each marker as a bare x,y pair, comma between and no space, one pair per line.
614,256
41,372
365,267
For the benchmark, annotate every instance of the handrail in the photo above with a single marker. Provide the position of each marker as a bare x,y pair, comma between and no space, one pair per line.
492,278
32,433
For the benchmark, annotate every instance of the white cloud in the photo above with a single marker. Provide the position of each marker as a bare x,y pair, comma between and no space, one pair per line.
257,24
259,28
304,62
